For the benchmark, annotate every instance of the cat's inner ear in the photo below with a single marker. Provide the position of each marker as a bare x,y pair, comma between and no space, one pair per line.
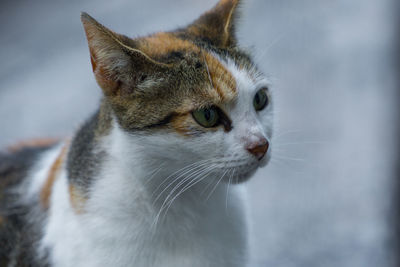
217,26
116,59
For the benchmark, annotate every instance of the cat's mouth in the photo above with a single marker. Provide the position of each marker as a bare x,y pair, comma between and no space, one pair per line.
241,176
241,173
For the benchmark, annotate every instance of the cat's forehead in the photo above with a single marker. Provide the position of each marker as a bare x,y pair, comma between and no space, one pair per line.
223,67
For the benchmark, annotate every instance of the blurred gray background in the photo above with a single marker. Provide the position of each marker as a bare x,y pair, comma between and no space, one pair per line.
325,199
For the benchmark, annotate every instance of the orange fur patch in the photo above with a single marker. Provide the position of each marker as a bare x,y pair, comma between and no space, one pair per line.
43,142
54,171
185,125
76,198
222,80
182,124
163,43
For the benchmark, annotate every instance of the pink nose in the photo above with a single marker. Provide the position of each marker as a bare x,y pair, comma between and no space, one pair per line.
259,148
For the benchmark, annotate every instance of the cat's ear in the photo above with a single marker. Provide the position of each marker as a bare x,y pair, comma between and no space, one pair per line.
217,25
115,60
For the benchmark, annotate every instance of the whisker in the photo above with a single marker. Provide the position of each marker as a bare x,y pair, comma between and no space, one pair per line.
271,44
154,174
193,171
202,170
287,133
167,203
220,179
190,184
237,177
227,194
288,158
286,166
301,143
185,170
208,71
207,186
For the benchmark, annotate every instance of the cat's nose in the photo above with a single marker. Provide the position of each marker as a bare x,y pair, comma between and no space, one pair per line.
259,148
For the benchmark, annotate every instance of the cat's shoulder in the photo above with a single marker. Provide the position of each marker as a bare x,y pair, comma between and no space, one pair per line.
16,160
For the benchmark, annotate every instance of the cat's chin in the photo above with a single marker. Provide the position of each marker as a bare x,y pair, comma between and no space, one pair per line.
242,177
244,173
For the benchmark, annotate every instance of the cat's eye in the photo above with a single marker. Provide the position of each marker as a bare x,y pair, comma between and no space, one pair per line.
260,100
206,117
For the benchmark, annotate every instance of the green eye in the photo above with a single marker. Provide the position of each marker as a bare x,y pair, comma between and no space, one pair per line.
206,117
260,99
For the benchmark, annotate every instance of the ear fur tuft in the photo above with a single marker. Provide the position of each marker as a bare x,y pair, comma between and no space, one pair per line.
218,25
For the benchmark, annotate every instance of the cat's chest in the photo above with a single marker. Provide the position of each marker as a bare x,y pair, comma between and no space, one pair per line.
206,234
187,249
203,245
212,237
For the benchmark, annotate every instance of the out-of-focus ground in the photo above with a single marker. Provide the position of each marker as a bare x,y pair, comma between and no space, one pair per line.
325,198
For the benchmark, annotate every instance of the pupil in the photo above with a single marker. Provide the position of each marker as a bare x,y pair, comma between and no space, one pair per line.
257,99
207,114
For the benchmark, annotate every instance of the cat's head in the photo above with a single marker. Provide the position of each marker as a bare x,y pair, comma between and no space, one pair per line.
191,96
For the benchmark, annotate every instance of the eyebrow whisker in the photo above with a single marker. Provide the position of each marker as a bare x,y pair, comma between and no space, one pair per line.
208,71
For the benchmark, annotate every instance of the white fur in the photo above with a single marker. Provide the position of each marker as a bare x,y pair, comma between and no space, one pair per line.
120,226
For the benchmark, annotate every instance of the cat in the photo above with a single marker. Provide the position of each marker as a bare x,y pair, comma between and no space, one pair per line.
154,177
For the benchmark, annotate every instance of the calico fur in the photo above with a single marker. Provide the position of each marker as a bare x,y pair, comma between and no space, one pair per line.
21,216
142,183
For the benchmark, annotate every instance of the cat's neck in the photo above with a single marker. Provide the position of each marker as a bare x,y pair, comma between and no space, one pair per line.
86,155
